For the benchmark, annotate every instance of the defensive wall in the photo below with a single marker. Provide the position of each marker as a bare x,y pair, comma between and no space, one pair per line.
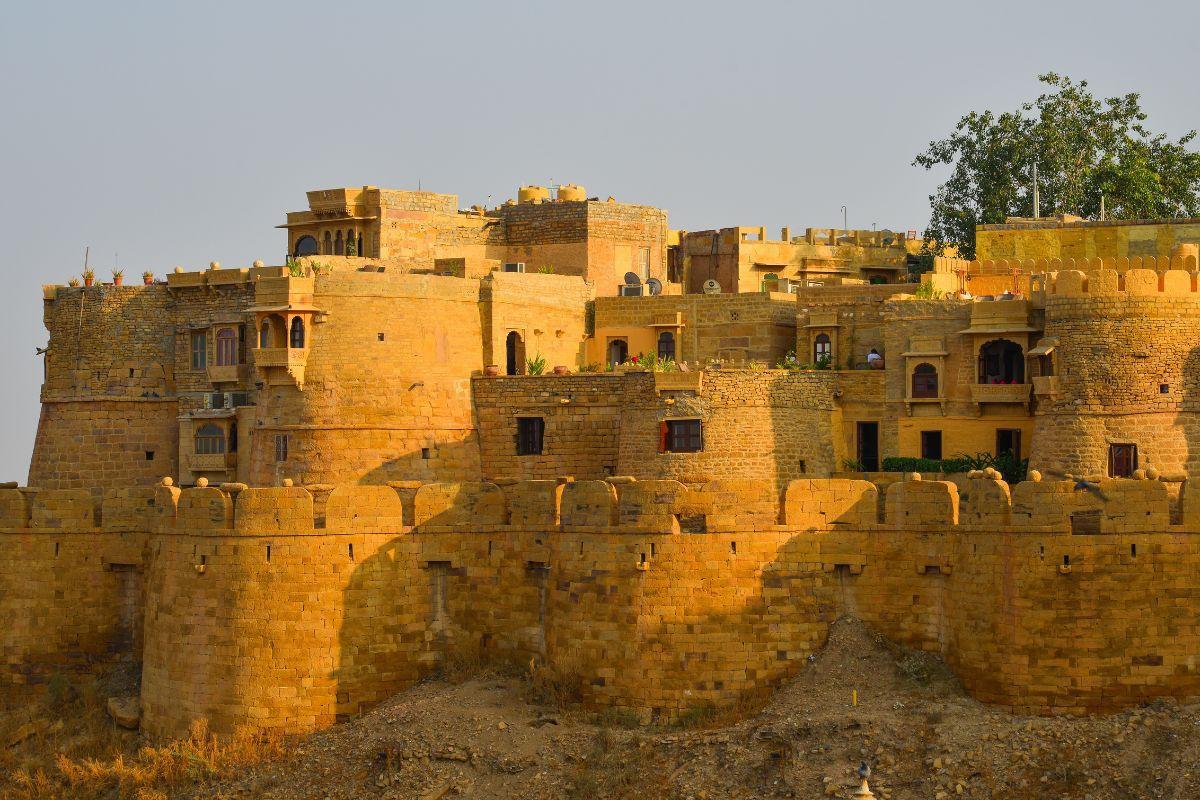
1125,366
291,607
1078,238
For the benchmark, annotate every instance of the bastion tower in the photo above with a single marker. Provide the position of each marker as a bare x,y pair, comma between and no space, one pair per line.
1117,375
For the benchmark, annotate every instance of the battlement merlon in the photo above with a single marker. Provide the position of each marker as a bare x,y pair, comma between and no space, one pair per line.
616,505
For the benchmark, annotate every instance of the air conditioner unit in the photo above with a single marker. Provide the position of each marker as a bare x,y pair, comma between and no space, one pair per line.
632,290
517,266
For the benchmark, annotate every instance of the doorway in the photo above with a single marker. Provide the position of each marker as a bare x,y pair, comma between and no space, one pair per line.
514,353
868,446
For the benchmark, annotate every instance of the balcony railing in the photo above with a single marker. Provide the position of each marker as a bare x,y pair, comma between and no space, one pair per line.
212,462
279,357
1000,392
226,373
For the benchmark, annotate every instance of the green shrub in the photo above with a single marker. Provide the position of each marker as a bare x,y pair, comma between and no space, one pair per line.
535,365
1012,469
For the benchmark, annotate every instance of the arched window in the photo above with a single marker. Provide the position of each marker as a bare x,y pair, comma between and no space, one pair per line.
822,348
514,351
296,342
360,245
338,244
925,381
618,352
226,347
328,248
666,345
264,335
210,440
305,246
1001,361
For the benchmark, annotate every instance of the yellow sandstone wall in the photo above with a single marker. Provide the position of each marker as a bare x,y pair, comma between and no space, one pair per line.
254,614
1084,239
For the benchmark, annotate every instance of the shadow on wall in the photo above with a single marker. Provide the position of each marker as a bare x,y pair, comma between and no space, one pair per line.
437,461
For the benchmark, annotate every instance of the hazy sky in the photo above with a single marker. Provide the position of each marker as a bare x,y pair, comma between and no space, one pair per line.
180,133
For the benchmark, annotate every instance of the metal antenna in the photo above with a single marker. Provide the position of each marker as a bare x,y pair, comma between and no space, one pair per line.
845,224
1037,200
1102,205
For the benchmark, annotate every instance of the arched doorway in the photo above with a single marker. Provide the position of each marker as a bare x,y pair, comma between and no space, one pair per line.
328,248
1001,361
618,352
338,245
514,352
306,246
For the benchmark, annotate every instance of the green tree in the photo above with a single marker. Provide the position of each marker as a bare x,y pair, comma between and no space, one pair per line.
1084,148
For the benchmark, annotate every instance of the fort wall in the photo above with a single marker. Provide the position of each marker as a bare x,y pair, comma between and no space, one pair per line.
255,614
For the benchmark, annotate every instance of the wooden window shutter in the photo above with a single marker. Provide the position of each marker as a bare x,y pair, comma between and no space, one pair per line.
662,437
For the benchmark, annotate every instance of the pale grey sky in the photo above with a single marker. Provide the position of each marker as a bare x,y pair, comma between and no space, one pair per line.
179,133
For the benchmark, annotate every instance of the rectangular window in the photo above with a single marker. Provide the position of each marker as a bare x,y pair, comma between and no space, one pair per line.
644,263
1122,460
681,436
281,447
199,349
1008,441
530,432
931,444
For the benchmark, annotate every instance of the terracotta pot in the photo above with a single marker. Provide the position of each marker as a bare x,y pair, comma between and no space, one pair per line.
118,280
148,281
491,370
562,370
88,281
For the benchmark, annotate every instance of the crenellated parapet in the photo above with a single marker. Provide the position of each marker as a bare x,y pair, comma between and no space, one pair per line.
617,505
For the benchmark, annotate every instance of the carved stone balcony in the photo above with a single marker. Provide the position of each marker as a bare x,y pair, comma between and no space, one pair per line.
279,357
1000,392
212,462
280,365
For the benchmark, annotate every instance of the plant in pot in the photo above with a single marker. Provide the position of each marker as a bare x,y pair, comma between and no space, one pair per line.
118,277
73,282
147,277
89,277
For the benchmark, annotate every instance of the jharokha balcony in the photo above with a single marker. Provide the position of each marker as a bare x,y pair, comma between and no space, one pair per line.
1000,392
281,365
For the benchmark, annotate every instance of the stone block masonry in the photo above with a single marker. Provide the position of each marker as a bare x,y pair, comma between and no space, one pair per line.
260,609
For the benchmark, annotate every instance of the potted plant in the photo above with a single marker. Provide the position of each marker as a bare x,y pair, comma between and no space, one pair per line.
118,277
73,282
147,277
89,277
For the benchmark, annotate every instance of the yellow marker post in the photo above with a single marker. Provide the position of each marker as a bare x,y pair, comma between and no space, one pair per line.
854,697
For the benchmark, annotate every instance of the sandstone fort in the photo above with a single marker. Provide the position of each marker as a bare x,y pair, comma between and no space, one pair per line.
658,463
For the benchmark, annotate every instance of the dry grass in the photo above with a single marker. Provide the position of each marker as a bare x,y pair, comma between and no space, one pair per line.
78,753
554,687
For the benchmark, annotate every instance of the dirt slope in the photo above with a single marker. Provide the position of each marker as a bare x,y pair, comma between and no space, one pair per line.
921,735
